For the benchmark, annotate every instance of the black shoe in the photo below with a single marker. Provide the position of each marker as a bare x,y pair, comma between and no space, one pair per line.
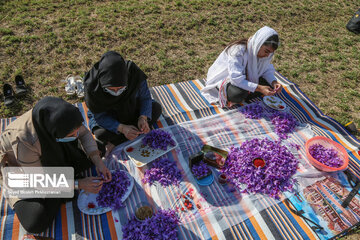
20,85
351,127
8,95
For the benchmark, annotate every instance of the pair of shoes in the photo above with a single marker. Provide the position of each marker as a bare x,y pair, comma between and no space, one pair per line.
20,90
74,85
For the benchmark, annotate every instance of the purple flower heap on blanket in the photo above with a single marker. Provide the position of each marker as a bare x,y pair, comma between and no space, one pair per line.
158,139
284,123
200,170
164,171
162,226
252,111
327,156
111,192
275,175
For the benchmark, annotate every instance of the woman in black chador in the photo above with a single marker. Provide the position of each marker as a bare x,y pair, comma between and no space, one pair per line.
119,101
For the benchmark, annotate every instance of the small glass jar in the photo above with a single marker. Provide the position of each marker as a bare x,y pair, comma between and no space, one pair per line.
222,179
143,211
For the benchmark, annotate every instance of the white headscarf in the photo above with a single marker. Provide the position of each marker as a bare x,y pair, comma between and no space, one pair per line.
256,67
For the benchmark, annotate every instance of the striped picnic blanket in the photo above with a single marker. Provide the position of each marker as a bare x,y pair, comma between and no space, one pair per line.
182,102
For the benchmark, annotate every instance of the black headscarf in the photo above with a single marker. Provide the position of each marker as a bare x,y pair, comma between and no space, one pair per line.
55,118
113,71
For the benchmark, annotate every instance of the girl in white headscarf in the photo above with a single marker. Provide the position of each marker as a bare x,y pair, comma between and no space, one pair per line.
242,69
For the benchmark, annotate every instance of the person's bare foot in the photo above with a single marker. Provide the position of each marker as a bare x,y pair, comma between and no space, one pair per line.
109,147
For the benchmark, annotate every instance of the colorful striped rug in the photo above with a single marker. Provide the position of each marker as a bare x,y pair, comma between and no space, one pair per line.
182,102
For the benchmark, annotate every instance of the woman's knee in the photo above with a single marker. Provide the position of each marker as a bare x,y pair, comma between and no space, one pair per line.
102,134
236,94
36,226
156,110
33,215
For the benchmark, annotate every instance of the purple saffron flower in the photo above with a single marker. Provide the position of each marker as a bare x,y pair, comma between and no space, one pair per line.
111,192
272,179
158,139
163,171
162,226
294,145
200,170
284,123
252,111
327,156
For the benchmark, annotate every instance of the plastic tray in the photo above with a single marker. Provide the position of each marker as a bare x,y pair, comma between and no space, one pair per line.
214,163
85,198
138,149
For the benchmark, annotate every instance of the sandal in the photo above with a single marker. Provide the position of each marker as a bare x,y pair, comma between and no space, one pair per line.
70,87
20,88
8,95
79,85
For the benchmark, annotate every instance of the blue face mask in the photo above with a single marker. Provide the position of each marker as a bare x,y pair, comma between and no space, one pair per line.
67,139
118,93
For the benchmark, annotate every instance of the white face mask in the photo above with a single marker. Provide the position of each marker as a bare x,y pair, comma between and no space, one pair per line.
118,93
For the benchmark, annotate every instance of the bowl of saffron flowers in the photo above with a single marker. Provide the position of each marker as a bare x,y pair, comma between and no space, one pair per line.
326,154
200,170
111,196
114,193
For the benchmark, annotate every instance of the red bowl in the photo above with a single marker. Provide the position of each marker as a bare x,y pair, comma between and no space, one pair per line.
327,143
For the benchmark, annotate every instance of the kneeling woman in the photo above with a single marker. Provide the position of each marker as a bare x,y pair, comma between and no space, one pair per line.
50,135
243,70
119,100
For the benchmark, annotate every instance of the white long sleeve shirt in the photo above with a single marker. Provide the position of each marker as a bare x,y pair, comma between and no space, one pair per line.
231,65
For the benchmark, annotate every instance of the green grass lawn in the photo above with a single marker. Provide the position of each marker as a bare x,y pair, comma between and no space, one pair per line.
175,41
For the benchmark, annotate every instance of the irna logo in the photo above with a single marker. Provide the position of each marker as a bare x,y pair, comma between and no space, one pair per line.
36,180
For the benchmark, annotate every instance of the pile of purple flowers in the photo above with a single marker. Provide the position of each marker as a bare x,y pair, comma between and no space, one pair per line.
200,170
158,139
164,171
284,123
327,156
111,192
253,111
162,226
273,178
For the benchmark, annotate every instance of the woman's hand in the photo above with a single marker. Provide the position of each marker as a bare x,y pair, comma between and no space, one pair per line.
101,169
130,132
265,90
277,86
91,184
143,124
